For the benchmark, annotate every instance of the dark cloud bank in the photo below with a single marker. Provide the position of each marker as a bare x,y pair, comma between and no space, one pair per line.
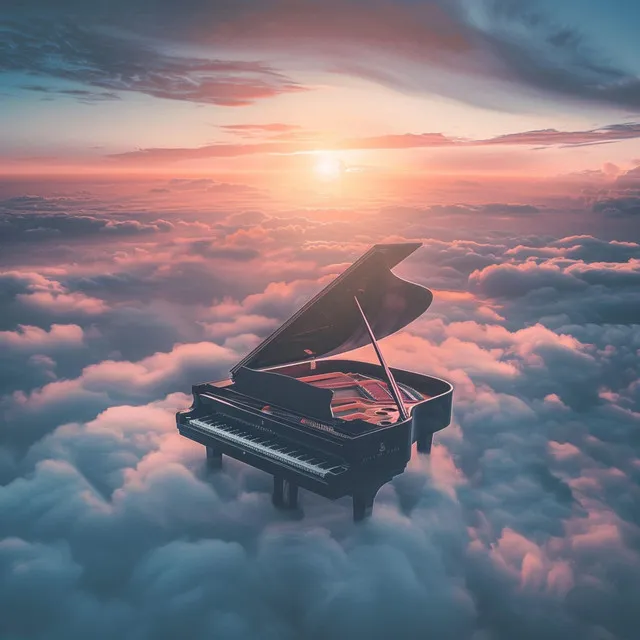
524,523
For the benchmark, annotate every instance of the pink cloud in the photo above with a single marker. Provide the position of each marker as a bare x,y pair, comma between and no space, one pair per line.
63,303
562,451
242,324
29,338
535,566
549,137
597,537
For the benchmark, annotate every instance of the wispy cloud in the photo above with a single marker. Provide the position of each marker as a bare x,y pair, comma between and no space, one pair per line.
69,52
82,95
545,137
260,129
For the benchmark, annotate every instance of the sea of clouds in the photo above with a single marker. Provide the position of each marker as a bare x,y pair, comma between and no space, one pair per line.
523,523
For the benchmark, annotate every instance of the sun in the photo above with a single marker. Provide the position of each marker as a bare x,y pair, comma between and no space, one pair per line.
328,167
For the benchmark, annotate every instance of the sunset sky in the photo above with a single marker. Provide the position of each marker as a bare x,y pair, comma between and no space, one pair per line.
406,92
178,177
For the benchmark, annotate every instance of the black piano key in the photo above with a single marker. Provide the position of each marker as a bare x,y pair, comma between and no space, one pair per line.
269,446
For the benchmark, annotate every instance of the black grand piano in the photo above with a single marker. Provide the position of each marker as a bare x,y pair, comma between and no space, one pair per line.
333,426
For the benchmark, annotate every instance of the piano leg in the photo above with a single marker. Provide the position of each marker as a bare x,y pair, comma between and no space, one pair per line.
424,442
291,494
285,493
214,459
278,491
363,505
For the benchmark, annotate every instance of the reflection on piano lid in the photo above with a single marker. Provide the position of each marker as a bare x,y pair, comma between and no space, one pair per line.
335,427
331,323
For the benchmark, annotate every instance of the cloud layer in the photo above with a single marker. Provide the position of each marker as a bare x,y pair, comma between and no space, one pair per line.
522,523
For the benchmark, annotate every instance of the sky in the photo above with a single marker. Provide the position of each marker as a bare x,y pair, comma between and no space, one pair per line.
177,179
251,88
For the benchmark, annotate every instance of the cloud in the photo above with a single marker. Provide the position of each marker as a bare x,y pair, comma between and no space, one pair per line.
127,478
517,280
582,247
27,338
270,129
115,63
431,46
32,356
408,43
545,138
209,151
212,186
29,416
629,180
38,293
553,137
629,206
522,523
566,290
552,57
35,218
82,95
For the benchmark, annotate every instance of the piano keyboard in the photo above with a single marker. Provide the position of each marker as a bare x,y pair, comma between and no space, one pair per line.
268,447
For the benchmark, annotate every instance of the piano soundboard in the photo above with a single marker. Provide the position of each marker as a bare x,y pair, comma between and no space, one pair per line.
362,397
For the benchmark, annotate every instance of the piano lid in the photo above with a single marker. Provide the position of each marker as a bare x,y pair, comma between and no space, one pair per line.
330,323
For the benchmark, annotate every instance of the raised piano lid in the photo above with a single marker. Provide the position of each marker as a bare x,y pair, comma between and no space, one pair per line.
330,323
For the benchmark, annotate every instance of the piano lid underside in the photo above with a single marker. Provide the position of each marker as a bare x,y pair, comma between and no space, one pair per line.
331,323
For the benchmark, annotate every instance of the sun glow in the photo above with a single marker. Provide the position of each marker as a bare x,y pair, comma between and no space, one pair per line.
328,166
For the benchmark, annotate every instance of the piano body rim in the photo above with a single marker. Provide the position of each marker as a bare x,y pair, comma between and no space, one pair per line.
427,417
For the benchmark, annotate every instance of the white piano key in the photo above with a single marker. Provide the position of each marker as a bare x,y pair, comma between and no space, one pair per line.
285,454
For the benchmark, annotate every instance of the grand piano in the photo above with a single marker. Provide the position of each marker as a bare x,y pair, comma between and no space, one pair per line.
336,427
